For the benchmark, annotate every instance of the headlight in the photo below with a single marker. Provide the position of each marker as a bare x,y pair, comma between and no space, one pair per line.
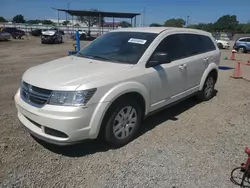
71,98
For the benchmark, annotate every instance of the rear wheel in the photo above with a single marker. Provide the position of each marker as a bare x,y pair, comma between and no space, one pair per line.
207,91
122,122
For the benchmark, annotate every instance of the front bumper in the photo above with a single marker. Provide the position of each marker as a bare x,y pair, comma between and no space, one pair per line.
48,39
58,125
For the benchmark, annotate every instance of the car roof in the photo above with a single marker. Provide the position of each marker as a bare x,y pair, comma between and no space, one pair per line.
158,30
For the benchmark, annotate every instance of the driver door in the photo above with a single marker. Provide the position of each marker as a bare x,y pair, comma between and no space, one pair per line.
169,81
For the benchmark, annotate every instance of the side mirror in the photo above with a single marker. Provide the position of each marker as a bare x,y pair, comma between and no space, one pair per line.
158,58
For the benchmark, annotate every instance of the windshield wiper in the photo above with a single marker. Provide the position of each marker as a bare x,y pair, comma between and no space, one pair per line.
99,58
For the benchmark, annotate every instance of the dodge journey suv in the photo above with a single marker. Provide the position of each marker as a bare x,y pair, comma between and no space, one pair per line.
112,84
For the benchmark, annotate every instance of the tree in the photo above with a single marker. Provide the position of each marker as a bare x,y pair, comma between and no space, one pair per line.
89,20
47,22
18,19
155,25
125,24
77,25
66,22
174,23
33,22
2,19
227,23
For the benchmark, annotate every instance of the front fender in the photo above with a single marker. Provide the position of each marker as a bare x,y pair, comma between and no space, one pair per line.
211,66
109,98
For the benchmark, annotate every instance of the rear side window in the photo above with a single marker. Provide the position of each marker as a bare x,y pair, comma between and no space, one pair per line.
208,44
180,46
243,40
248,39
197,44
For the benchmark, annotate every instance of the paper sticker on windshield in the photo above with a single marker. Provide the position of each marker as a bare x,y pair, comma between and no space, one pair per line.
137,41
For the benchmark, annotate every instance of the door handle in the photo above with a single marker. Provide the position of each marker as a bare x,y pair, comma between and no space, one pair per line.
206,59
182,66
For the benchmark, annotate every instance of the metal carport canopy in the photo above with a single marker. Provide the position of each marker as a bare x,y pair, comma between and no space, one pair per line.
98,13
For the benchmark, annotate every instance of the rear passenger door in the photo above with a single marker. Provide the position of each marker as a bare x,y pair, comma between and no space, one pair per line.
198,55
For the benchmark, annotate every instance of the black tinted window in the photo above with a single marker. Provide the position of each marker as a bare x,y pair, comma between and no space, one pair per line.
179,46
248,39
208,44
243,40
172,45
197,44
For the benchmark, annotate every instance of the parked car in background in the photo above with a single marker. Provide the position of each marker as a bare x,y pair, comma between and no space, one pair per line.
112,84
51,36
55,28
4,36
36,32
242,45
223,43
83,35
14,32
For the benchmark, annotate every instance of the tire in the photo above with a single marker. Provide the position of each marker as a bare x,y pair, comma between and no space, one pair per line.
242,49
118,116
207,91
56,41
220,46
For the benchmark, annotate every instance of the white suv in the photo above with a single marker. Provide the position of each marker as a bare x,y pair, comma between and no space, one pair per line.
116,81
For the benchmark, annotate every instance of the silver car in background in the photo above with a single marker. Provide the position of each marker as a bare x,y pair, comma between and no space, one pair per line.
4,36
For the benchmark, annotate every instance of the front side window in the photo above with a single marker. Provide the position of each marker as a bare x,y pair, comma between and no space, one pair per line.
119,47
172,45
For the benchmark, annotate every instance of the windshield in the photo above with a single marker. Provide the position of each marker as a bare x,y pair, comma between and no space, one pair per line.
119,47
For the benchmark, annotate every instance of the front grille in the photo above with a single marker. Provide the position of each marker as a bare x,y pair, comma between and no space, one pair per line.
35,96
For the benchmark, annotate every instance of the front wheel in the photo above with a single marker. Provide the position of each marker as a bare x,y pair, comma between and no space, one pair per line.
122,122
220,46
207,91
242,49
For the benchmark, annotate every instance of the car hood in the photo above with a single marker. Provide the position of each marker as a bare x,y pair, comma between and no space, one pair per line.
222,41
50,32
70,72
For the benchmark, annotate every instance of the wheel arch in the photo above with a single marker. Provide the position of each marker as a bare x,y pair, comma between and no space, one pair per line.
131,89
211,69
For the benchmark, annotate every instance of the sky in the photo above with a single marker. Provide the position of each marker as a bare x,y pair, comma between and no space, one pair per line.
156,11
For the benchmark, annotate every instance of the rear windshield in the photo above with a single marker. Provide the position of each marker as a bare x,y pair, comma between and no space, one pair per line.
119,47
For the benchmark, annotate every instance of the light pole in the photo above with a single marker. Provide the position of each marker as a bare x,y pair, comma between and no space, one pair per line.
68,7
187,21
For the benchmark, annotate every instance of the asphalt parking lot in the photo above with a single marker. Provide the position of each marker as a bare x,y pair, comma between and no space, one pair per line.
189,145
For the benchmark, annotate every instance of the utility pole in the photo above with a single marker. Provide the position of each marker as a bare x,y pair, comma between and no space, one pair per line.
68,7
143,16
187,21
